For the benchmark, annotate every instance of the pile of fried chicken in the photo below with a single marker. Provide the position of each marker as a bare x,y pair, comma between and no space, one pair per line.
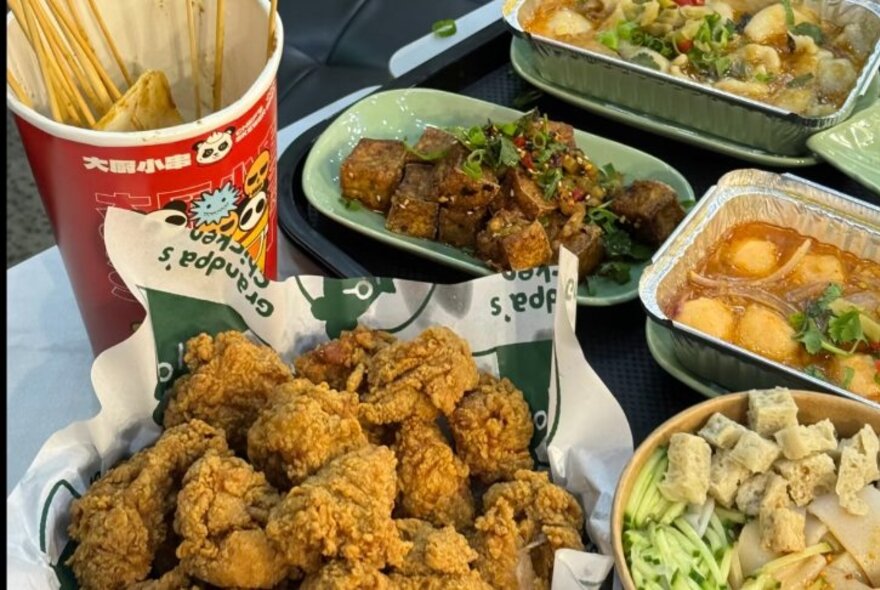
336,474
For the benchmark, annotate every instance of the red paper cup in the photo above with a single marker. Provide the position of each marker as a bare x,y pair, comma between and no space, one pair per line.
215,174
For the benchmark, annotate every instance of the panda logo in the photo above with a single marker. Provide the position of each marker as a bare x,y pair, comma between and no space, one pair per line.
215,147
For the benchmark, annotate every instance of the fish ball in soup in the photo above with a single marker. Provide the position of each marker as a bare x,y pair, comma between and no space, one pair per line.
711,316
858,373
767,333
753,257
819,268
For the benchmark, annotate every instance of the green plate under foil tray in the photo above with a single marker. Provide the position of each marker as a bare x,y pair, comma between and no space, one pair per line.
853,146
660,344
523,62
404,114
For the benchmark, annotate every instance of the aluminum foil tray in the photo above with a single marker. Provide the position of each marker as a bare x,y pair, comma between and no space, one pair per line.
694,105
739,197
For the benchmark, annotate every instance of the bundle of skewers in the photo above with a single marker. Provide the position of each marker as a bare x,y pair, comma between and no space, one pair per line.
80,89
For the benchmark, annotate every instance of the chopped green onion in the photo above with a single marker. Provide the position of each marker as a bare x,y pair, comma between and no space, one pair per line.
444,28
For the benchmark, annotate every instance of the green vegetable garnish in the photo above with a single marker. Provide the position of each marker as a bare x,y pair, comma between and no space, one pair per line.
548,181
848,374
789,12
765,78
810,30
799,81
617,271
351,204
815,372
643,59
444,28
846,328
507,154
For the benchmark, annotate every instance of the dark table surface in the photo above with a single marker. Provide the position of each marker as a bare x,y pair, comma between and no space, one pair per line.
613,338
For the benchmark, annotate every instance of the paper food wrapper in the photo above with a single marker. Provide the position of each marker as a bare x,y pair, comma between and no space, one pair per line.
519,325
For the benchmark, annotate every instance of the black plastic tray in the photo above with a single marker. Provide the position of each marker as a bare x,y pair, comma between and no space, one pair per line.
613,338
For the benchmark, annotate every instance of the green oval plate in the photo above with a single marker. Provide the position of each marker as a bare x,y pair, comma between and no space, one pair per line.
403,114
660,344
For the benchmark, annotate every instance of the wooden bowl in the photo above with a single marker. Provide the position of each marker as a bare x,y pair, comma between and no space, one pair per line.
848,417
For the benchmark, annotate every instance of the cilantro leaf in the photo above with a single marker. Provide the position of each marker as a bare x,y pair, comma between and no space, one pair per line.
617,243
548,181
846,328
507,154
811,337
816,372
617,271
810,30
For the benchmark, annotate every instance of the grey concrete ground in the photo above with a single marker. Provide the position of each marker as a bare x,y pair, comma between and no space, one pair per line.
27,227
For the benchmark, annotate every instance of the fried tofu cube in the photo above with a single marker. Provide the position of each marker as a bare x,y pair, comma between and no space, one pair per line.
460,228
372,171
725,476
147,105
587,245
808,477
782,530
858,468
413,212
750,494
433,144
722,432
413,217
456,189
688,473
501,224
650,208
527,248
799,441
771,410
527,195
755,452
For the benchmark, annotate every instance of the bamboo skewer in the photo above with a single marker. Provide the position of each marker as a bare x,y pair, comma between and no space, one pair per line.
17,88
110,42
44,66
270,43
220,35
66,50
78,32
57,59
104,101
194,56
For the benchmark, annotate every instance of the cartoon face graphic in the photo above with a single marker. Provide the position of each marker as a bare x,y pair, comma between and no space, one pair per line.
215,147
215,211
253,226
257,175
174,213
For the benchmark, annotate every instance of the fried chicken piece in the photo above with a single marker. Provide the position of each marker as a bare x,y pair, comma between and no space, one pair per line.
434,550
121,521
343,511
341,363
221,514
342,575
419,378
433,482
492,427
229,382
546,516
439,559
303,427
503,559
175,579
